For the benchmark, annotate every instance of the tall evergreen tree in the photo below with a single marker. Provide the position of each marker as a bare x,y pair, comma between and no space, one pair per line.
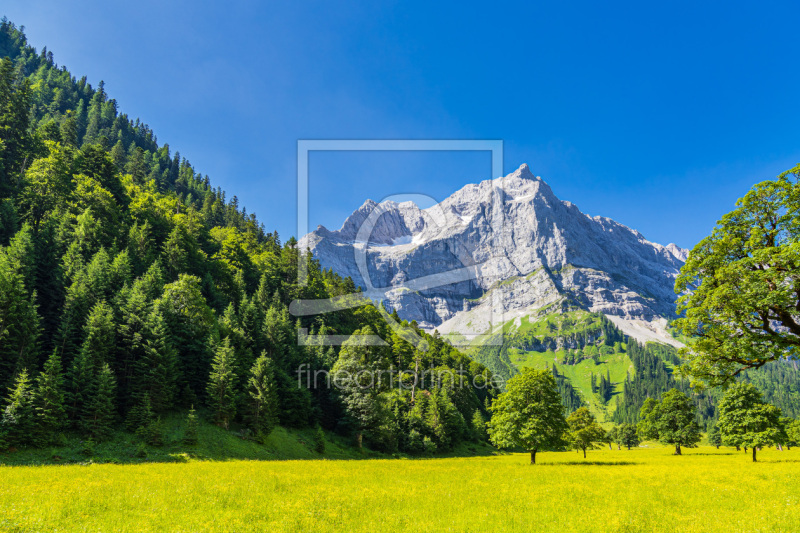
221,381
18,423
99,414
263,405
49,400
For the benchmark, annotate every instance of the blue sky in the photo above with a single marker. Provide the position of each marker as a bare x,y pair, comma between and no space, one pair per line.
659,115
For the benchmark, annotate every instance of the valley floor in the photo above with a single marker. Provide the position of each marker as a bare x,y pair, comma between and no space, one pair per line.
646,489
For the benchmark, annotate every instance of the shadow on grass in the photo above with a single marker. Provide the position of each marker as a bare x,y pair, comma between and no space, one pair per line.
590,463
713,454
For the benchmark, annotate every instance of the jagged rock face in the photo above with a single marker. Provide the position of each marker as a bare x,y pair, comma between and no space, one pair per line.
524,250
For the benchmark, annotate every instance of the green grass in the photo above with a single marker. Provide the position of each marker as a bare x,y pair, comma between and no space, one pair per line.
214,444
553,324
646,489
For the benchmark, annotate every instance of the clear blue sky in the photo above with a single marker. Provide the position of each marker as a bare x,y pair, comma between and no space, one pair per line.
659,115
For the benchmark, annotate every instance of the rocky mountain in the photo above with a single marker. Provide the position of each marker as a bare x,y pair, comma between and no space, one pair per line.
499,251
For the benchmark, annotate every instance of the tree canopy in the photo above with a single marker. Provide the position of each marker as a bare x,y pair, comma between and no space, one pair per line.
746,420
584,431
670,421
529,415
740,287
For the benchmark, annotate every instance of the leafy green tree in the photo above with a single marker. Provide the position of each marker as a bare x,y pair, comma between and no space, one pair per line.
740,286
745,420
584,431
19,416
671,421
49,400
613,435
263,405
792,428
529,415
221,382
715,437
628,436
645,427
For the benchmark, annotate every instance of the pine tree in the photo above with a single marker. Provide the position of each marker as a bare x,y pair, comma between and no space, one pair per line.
319,440
49,401
159,367
97,350
263,397
19,321
479,426
144,422
140,415
191,433
100,414
18,423
221,393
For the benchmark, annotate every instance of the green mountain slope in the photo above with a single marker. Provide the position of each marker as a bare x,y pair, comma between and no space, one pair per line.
132,290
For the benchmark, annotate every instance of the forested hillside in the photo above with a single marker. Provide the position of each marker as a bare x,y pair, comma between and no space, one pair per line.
130,288
596,365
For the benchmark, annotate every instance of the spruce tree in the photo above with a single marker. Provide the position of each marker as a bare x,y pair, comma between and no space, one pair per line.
191,433
479,426
159,368
49,401
319,440
18,423
100,414
261,388
221,393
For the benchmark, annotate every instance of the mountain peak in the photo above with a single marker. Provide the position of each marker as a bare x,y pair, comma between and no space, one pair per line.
547,251
524,171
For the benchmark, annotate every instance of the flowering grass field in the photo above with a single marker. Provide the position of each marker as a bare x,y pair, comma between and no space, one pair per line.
646,489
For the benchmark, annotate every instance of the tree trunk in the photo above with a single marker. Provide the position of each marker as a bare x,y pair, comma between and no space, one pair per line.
533,457
780,448
619,447
754,454
678,449
745,449
738,449
416,378
359,440
609,446
584,453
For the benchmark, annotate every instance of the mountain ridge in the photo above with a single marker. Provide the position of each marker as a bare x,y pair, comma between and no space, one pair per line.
511,231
